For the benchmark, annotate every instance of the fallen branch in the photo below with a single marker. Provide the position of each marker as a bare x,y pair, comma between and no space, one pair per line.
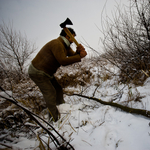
6,145
142,112
33,117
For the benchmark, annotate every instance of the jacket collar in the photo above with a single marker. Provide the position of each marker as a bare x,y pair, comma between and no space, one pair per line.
66,41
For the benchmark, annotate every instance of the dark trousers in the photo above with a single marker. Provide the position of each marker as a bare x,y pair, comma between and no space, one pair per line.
51,90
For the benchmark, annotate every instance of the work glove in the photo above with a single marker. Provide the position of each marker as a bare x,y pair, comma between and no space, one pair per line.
81,51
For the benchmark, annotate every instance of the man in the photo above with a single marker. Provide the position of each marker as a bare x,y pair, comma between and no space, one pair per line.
54,54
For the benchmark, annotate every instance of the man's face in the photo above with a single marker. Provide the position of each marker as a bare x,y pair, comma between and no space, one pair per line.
70,39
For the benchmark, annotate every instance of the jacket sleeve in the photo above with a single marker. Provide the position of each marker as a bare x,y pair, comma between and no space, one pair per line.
71,52
62,58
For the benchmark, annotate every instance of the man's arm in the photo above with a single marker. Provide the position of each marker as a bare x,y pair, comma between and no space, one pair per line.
62,58
80,50
71,52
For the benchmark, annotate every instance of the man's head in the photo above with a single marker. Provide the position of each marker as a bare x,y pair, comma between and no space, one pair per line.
63,33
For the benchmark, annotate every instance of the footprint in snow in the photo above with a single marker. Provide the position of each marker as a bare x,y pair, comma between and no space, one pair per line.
111,140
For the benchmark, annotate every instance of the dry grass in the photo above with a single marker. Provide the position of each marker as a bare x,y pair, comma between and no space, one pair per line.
136,77
74,75
79,78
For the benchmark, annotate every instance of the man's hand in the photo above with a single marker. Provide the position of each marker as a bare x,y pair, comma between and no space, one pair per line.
81,51
83,54
80,48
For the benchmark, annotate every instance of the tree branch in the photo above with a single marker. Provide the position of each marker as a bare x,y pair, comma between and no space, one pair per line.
142,112
33,117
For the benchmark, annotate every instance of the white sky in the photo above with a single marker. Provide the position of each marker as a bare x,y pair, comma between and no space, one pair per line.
40,19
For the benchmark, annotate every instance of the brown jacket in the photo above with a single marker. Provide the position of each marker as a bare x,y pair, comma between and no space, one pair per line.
54,54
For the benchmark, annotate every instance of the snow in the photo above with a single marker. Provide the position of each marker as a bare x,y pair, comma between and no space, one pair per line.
107,129
5,94
90,125
25,143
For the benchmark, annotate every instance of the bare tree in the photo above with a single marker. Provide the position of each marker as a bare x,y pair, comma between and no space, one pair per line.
127,39
15,51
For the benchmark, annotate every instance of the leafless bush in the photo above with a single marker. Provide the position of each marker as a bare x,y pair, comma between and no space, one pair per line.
127,40
15,51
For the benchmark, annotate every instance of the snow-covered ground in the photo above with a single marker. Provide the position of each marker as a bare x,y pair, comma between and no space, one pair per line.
92,126
95,126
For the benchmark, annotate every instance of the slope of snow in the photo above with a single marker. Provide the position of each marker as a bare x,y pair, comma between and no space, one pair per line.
90,125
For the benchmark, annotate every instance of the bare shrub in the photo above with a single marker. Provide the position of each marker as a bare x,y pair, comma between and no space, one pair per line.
15,51
127,40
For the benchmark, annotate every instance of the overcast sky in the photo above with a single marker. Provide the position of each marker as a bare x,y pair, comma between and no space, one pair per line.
40,19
